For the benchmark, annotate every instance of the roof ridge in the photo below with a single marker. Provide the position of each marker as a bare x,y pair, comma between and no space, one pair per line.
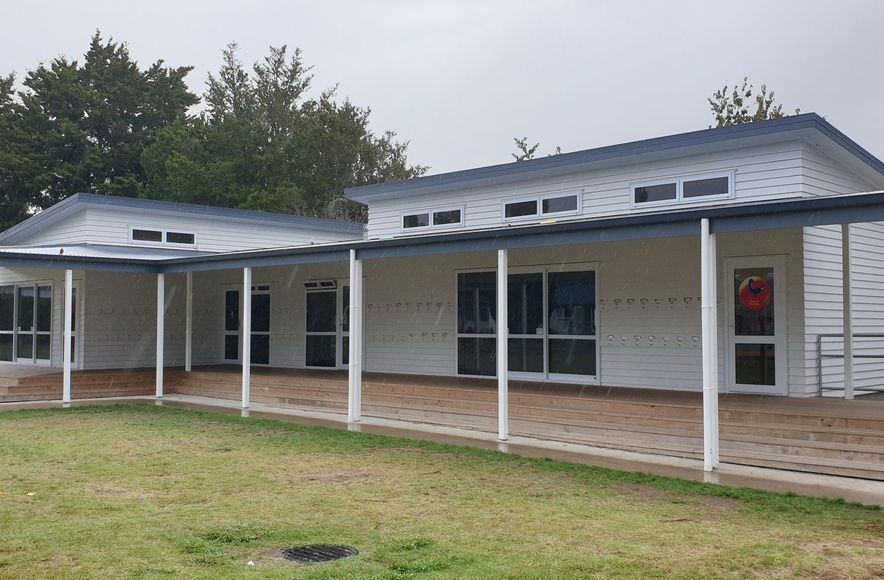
654,144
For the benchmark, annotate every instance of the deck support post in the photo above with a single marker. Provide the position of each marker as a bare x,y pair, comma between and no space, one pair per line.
709,328
847,311
246,336
188,323
354,364
502,347
68,334
713,359
161,331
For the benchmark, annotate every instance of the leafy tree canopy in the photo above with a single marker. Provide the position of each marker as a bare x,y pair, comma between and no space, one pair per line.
264,143
105,125
82,127
741,104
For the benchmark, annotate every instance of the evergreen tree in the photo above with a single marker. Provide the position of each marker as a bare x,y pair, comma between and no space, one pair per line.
264,143
83,127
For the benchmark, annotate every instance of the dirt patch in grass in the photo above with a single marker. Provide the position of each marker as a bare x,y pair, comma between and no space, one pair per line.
859,559
343,477
122,493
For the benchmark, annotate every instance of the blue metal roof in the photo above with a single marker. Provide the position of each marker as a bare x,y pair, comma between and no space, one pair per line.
771,215
79,200
518,170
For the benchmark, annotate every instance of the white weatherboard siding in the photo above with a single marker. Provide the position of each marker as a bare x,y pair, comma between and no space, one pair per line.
119,329
823,301
824,175
411,319
410,310
213,233
867,289
287,309
773,171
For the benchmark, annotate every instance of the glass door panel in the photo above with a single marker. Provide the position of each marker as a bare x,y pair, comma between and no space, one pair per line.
756,326
571,299
43,323
260,354
526,328
7,322
321,336
25,342
476,323
345,326
231,325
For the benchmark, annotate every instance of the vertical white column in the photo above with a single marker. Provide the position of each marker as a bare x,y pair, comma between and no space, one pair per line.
502,348
68,333
246,336
354,366
188,324
358,319
161,330
713,347
708,305
847,311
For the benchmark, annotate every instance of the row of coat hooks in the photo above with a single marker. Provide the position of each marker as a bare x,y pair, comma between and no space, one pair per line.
421,336
425,306
669,302
654,340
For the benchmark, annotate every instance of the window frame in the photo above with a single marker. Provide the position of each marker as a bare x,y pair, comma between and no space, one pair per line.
679,181
431,212
33,332
539,199
164,232
545,376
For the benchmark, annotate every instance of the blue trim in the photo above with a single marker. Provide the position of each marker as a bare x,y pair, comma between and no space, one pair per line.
508,172
795,213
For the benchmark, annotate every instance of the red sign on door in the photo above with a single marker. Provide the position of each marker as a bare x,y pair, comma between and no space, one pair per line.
754,293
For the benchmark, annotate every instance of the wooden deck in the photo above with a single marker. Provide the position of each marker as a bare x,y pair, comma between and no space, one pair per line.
814,435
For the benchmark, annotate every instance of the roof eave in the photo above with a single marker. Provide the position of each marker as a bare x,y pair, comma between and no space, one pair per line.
569,162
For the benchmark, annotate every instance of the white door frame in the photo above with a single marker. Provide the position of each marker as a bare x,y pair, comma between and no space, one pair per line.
780,338
339,333
32,332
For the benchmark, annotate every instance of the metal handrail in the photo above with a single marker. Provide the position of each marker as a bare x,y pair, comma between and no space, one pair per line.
820,356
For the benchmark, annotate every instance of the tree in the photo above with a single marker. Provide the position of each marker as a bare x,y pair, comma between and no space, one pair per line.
264,143
16,169
83,127
731,106
524,152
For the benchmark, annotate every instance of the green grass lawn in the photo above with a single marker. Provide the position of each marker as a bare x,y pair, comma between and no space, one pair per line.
147,491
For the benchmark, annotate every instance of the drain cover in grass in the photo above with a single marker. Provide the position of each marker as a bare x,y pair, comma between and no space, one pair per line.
318,553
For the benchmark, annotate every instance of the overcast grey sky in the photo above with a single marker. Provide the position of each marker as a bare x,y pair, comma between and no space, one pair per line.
460,79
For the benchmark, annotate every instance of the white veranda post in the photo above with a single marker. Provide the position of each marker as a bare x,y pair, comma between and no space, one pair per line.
354,365
246,336
188,323
709,329
846,311
161,316
502,348
68,333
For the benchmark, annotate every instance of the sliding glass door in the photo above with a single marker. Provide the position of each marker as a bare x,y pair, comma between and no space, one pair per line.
26,323
551,322
327,333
